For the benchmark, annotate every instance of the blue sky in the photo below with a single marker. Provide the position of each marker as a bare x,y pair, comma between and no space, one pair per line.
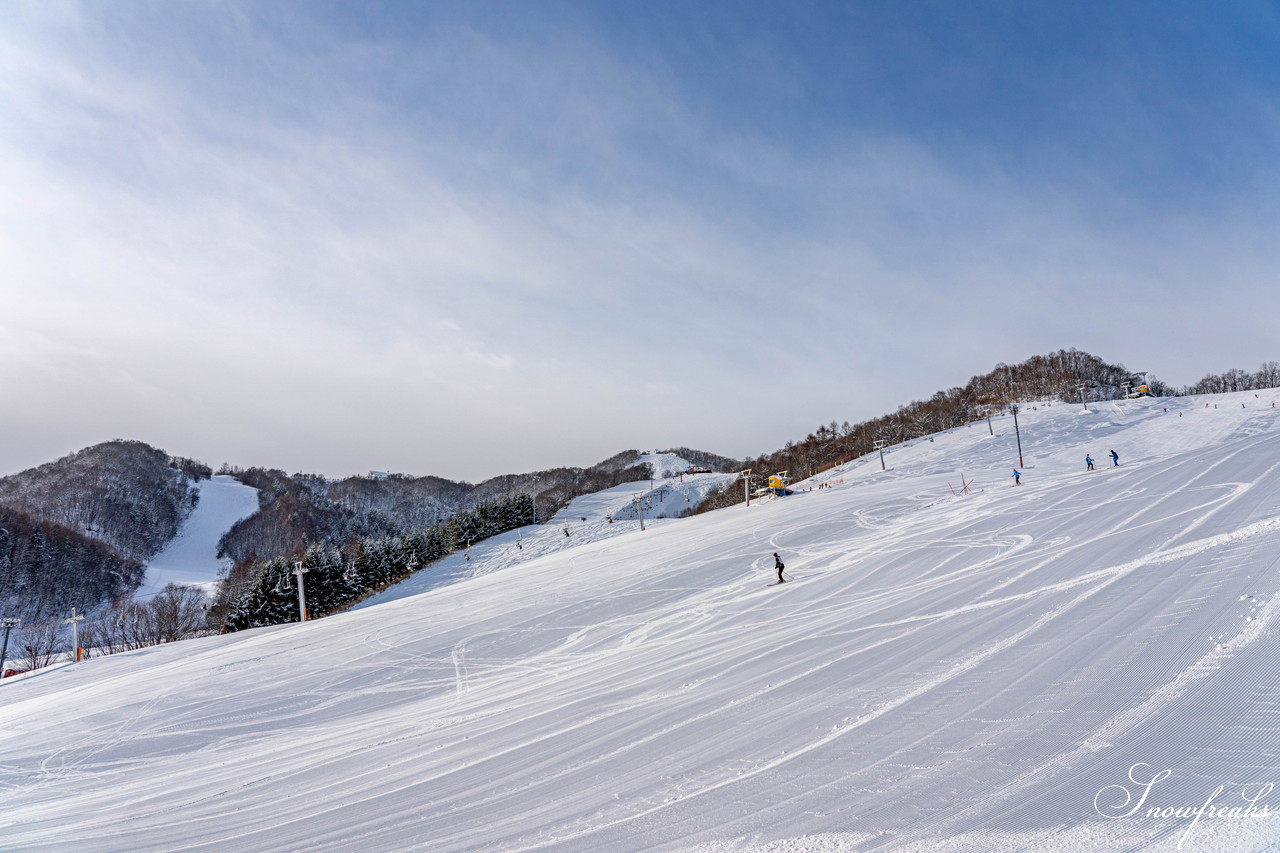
473,238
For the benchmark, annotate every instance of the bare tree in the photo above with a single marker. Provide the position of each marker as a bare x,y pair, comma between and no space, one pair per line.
95,636
178,612
40,644
134,627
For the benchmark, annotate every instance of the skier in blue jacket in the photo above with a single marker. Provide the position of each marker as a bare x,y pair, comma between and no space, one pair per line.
1088,460
1115,459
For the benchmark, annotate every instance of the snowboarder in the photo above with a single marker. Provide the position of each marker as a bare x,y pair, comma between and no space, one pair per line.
1088,460
1017,477
777,564
1115,459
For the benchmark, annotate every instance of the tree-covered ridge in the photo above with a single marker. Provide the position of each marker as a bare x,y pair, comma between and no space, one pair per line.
303,511
307,515
1267,376
47,569
1061,375
335,577
125,493
294,514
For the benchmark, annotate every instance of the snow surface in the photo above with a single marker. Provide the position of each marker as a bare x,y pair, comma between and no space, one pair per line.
992,671
191,559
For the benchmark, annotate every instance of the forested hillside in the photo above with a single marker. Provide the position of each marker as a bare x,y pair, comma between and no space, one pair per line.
1235,379
75,532
301,510
47,569
124,493
336,577
308,517
295,511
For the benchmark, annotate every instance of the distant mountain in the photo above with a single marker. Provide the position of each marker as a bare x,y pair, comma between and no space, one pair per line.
124,493
76,532
300,510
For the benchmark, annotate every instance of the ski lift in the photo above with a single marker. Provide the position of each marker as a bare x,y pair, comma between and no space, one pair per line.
350,573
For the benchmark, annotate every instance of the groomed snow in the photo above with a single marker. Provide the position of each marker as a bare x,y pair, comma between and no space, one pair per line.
991,671
191,559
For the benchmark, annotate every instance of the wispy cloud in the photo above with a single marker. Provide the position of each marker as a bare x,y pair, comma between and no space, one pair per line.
257,235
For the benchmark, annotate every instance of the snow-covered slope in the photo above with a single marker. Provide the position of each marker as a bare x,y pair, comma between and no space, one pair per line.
991,671
592,518
191,559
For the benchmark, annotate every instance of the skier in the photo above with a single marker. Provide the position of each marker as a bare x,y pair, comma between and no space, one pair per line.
777,564
1088,460
1115,459
1017,477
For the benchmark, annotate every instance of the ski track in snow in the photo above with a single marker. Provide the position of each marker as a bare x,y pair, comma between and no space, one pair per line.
191,559
944,673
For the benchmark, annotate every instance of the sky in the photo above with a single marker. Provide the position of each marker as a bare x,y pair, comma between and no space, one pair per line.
474,238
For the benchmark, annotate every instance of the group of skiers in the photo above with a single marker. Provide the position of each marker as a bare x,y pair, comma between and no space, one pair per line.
1115,461
1088,461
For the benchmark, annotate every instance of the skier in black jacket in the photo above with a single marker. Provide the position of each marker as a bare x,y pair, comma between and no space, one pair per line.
777,564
